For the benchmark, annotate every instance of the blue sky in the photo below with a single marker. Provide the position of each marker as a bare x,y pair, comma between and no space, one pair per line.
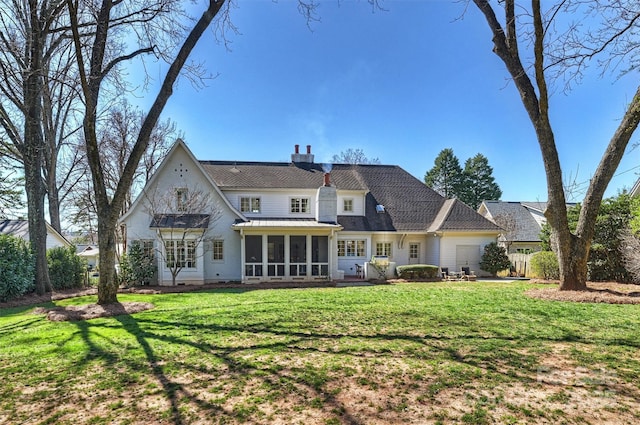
401,84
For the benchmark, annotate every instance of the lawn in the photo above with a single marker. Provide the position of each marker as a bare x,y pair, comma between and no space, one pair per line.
405,353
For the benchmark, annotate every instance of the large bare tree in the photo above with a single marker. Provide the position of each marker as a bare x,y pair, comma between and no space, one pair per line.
99,49
565,54
31,37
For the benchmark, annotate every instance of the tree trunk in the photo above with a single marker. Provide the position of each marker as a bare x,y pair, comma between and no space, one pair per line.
108,282
33,151
54,206
37,223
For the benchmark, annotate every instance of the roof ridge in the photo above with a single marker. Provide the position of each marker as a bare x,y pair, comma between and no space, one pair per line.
444,212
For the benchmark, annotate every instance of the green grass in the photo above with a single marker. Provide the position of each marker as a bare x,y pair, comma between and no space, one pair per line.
428,353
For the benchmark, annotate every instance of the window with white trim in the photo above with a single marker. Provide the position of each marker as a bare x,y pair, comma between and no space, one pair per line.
352,248
383,248
414,251
182,198
347,205
181,254
218,250
249,204
299,205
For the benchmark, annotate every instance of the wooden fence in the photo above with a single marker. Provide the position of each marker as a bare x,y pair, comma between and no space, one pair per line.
520,264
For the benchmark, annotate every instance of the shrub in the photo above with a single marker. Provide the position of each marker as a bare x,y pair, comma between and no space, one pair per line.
494,259
544,265
17,268
143,266
66,269
418,271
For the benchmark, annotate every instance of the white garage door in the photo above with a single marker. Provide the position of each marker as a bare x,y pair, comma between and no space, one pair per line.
468,256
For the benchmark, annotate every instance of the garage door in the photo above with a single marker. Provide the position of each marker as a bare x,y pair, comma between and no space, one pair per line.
468,256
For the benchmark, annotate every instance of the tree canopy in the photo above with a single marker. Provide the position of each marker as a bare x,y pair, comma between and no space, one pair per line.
472,185
353,156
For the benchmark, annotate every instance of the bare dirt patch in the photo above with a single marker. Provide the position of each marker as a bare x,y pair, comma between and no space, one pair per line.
92,311
598,292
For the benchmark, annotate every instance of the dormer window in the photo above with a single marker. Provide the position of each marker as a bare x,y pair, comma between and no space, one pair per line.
347,205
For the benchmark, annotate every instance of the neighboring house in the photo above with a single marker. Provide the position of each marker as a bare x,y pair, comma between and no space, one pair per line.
521,223
90,253
295,221
20,228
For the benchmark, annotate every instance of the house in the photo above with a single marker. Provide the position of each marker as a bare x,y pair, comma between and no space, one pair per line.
20,228
298,220
521,223
90,253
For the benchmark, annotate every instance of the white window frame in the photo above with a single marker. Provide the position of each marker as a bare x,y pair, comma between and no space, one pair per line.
384,248
414,254
182,198
299,205
217,249
347,205
182,251
352,248
250,204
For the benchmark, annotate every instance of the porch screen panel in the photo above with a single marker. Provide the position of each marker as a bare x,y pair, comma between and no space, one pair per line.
276,256
297,255
253,255
320,255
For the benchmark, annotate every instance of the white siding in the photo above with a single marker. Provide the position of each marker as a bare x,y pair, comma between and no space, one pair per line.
180,171
448,249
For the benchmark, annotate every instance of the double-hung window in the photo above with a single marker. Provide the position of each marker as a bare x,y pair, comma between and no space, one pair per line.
383,248
218,250
250,204
300,205
180,254
352,248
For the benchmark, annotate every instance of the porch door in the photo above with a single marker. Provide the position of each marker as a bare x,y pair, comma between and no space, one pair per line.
298,255
414,253
275,247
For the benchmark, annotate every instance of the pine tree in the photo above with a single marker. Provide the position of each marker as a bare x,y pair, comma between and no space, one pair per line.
479,184
446,176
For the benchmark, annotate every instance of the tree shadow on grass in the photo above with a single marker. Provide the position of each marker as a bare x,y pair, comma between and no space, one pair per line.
498,354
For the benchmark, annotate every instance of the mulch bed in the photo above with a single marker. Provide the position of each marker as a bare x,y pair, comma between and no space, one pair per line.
598,292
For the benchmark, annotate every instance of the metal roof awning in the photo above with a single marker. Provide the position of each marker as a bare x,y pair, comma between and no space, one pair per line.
279,223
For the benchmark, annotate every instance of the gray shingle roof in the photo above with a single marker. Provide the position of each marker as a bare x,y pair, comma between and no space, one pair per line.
527,228
408,203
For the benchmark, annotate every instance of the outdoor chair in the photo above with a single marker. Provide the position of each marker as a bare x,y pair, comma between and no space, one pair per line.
468,274
359,271
444,271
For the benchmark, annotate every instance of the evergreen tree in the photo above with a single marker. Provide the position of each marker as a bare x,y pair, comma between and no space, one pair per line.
446,176
494,259
479,184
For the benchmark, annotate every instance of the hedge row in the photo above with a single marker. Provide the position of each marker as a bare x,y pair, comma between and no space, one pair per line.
418,271
17,268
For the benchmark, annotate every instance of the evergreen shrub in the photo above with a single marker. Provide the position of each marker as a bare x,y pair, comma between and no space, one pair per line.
418,271
17,268
66,269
